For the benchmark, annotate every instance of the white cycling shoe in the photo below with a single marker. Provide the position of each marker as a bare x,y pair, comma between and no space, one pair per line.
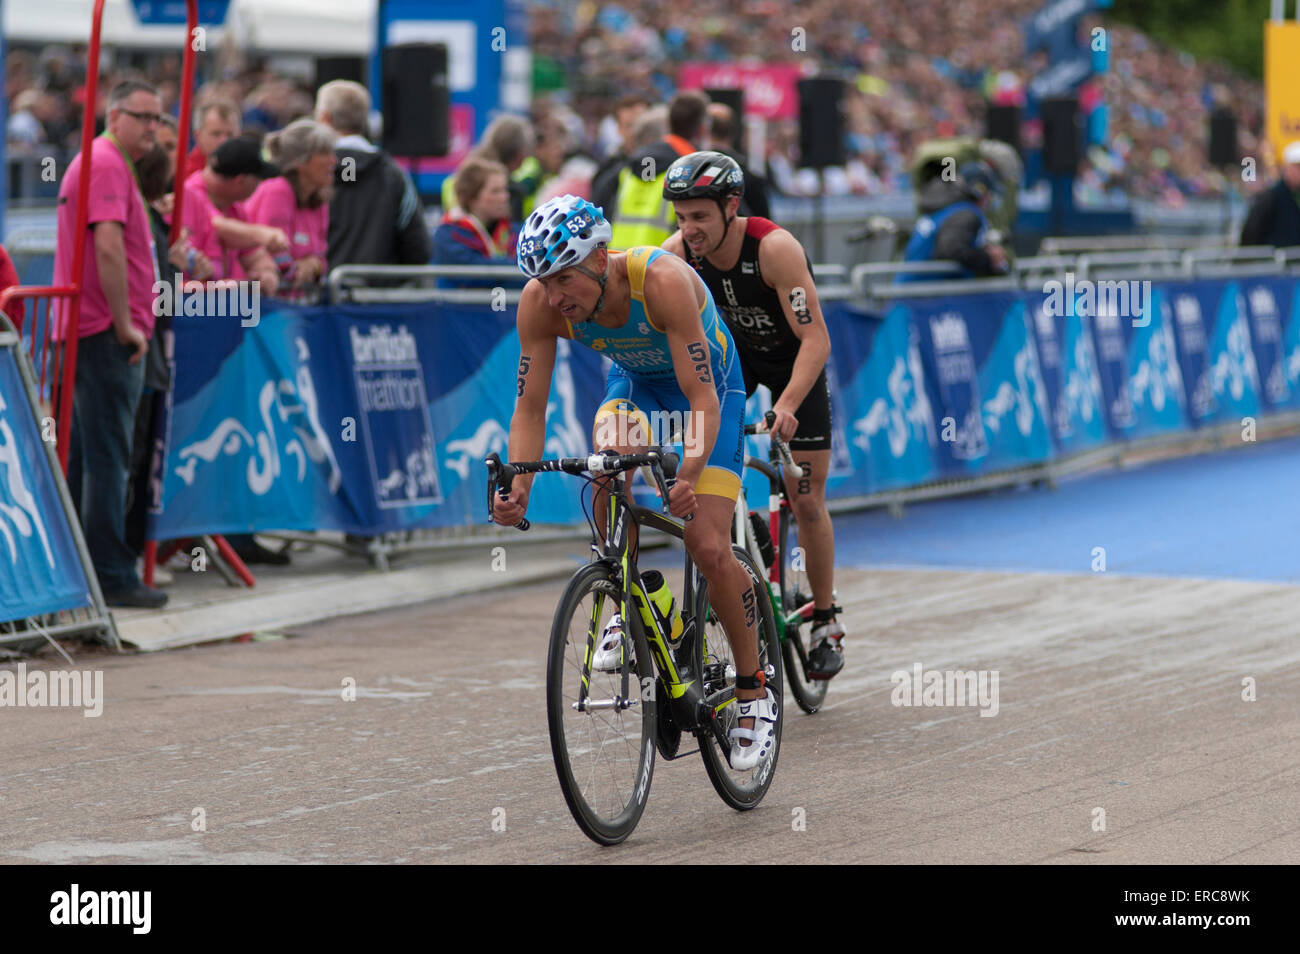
608,654
761,738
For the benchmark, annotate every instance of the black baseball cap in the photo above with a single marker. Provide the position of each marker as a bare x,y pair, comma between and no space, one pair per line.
241,156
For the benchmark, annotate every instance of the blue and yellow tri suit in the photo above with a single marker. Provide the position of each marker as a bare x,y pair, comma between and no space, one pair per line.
642,381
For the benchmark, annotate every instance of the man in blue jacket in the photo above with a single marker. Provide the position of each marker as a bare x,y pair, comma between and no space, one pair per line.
954,226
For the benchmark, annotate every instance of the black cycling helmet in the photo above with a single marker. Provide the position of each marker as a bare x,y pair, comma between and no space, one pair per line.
704,175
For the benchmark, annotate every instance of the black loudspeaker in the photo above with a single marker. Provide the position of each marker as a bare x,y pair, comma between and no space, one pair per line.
1223,137
1003,124
417,100
330,68
1061,138
821,123
735,98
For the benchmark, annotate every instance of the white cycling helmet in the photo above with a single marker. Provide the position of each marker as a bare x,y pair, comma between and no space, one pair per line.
560,233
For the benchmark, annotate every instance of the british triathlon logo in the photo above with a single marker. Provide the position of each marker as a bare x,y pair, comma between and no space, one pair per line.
396,425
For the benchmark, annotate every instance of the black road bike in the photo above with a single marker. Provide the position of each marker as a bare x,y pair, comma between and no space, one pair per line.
606,726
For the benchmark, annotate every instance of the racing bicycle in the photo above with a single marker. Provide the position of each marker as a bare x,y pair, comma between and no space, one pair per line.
775,547
606,726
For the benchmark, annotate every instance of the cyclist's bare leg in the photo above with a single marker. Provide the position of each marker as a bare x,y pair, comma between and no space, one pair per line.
816,535
731,593
621,433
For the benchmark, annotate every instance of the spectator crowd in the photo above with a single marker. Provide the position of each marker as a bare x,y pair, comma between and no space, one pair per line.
915,71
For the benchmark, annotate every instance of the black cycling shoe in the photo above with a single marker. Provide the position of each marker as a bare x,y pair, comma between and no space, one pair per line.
826,660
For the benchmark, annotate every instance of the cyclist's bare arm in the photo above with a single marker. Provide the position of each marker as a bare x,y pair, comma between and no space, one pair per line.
671,298
675,244
537,325
782,262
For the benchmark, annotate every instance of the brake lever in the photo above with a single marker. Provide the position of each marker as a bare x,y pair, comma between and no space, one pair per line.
502,475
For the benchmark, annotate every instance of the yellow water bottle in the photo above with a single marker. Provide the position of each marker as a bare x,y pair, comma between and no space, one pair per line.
664,606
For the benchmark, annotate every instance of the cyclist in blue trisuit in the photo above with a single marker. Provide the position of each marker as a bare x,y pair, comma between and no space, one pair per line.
762,280
650,314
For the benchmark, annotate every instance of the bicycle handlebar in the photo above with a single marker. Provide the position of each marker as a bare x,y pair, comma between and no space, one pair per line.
782,448
501,475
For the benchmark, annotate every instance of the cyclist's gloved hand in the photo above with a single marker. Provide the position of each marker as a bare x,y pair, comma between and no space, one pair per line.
681,498
510,511
785,425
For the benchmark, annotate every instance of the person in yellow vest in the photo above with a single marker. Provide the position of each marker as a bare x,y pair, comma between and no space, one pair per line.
641,215
544,164
508,140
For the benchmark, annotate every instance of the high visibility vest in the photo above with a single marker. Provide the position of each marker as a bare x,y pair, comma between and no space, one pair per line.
529,175
643,216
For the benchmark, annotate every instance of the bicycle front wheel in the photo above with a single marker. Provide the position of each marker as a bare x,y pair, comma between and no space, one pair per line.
602,740
717,668
797,604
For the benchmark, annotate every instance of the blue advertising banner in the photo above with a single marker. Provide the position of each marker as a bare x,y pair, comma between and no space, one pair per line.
1264,299
40,568
355,418
893,434
1234,376
169,12
369,419
985,380
1291,344
1068,364
1182,306
1155,382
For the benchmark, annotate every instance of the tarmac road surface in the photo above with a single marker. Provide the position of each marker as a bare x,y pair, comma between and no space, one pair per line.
1121,696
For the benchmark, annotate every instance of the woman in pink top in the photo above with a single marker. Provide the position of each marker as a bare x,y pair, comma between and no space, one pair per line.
297,201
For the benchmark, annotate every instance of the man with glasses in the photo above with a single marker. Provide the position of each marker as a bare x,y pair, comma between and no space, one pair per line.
114,327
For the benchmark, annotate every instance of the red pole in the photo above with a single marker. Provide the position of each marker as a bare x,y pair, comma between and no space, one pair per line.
178,191
183,122
72,314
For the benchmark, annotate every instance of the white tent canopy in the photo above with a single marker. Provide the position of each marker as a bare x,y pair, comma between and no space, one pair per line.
319,27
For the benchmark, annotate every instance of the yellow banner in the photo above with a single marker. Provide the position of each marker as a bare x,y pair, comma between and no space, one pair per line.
1282,82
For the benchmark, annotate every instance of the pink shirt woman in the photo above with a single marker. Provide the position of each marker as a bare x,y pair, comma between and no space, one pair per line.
298,200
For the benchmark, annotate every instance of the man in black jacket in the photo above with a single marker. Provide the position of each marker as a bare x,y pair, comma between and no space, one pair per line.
604,182
1274,217
722,138
376,217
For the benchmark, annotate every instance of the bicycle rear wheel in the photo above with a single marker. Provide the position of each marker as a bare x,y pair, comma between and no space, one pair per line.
604,756
796,603
713,658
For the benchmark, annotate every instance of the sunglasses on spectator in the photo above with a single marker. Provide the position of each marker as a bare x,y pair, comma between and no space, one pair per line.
145,118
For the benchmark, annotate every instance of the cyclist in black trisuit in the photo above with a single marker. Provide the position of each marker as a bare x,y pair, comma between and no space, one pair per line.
762,283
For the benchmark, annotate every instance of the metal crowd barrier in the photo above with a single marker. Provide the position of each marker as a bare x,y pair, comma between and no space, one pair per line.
1080,244
54,360
31,632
